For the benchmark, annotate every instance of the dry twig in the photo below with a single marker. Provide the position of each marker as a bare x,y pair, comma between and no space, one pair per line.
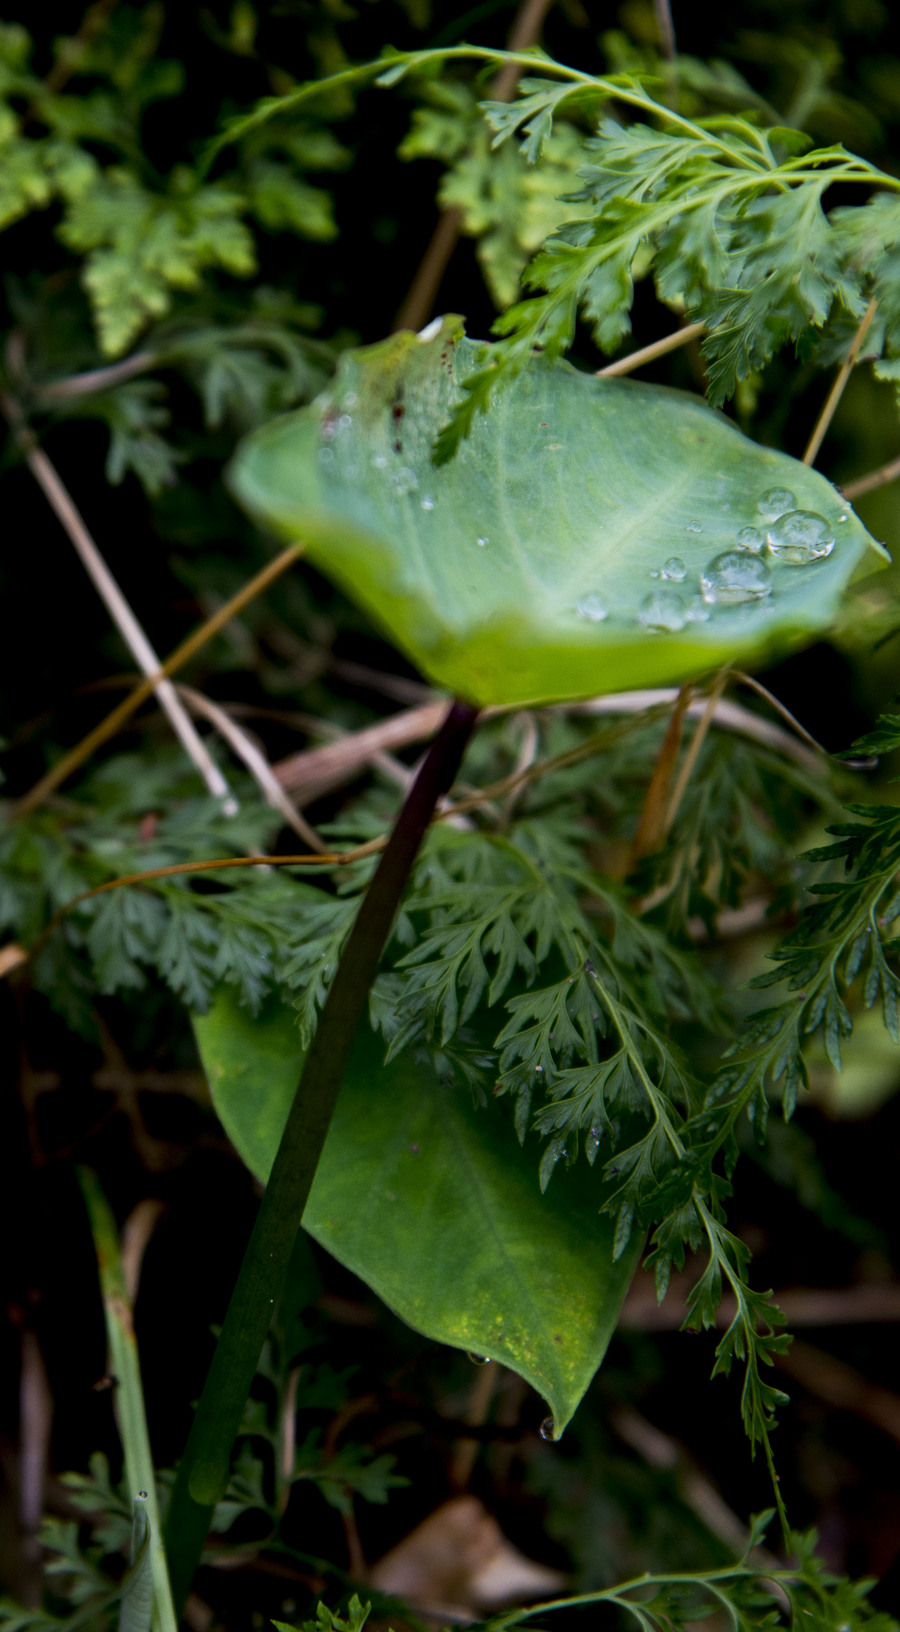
423,290
837,390
875,478
175,661
66,512
255,761
653,823
657,348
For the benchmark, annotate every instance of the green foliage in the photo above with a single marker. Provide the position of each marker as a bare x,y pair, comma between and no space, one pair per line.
76,1575
145,237
568,548
729,218
528,1283
328,1620
508,205
522,967
840,938
803,1594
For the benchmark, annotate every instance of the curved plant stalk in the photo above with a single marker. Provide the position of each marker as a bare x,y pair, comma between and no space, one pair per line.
130,630
656,348
175,661
125,1367
203,1472
423,291
874,478
254,759
837,390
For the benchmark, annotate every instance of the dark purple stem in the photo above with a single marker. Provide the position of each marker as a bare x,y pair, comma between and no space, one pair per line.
203,1471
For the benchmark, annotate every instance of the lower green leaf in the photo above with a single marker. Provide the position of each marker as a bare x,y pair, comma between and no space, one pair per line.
434,1204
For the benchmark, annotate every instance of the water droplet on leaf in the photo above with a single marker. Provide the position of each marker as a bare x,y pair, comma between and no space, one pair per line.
379,460
750,538
344,422
774,503
593,608
799,537
674,568
693,527
696,611
734,577
405,480
479,1359
663,610
482,542
428,504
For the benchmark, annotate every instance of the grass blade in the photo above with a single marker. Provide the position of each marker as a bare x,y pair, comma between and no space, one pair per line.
125,1366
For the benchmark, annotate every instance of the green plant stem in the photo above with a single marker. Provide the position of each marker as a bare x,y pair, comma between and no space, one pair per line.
126,1368
203,1472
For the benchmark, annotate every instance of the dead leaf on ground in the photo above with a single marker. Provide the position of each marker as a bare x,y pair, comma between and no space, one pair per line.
458,1565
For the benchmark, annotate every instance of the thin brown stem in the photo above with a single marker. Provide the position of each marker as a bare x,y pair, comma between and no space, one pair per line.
653,706
255,760
653,823
131,631
763,691
875,478
315,771
465,1453
693,753
92,24
177,659
96,379
343,858
657,348
837,390
423,290
666,29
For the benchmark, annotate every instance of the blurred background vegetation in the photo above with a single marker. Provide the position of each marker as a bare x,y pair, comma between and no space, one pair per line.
216,301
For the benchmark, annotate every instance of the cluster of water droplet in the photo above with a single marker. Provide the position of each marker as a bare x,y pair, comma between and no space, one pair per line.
741,575
793,537
737,576
798,537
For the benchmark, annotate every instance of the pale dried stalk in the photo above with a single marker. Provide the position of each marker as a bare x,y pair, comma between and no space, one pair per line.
64,508
255,761
875,478
175,661
653,823
423,290
837,390
695,1487
316,770
97,379
657,348
793,722
693,753
729,716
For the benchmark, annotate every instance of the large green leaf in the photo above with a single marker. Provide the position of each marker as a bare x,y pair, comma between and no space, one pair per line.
565,549
434,1203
